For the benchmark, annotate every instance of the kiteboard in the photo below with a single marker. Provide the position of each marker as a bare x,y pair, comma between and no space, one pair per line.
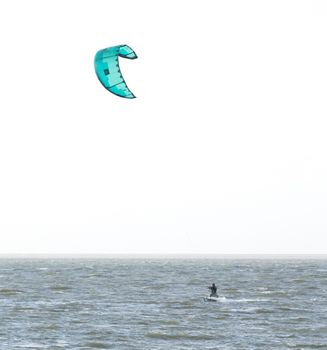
216,298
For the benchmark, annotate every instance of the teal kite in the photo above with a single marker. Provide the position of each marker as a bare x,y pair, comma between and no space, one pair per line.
108,71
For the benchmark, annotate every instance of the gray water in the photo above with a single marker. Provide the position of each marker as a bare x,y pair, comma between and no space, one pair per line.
158,304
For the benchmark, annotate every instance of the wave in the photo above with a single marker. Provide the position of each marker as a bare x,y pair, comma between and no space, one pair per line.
10,291
59,288
179,336
32,346
307,346
97,345
246,300
170,322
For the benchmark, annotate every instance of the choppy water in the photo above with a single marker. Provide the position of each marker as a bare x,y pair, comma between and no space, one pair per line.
158,304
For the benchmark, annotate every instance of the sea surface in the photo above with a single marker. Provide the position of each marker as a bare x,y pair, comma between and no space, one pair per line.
159,304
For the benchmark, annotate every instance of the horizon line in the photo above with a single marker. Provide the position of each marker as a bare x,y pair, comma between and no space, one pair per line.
160,256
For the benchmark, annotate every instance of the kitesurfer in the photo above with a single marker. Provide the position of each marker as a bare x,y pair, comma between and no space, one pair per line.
213,290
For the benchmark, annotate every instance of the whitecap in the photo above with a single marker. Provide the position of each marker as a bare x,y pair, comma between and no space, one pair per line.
32,346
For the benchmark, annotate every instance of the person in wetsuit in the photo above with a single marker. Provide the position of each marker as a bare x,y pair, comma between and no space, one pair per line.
213,290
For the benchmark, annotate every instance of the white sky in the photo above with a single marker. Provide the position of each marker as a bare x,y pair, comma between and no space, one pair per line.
223,151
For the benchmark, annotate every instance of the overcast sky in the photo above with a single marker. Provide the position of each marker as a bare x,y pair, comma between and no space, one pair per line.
223,150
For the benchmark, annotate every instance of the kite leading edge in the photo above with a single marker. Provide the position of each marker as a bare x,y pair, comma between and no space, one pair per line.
107,69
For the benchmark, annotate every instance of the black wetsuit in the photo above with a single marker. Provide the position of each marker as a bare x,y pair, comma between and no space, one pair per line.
213,289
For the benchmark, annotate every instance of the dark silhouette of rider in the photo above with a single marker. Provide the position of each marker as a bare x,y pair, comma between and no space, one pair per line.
213,289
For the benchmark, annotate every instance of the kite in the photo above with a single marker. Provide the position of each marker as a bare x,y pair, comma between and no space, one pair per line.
107,69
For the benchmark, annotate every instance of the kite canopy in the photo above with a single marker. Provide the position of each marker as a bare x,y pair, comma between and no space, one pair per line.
108,71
